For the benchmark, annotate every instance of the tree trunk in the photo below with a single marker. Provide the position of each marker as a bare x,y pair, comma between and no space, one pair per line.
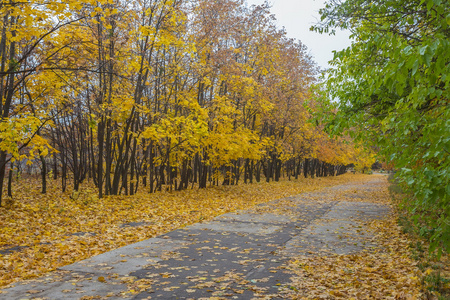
305,168
10,175
43,174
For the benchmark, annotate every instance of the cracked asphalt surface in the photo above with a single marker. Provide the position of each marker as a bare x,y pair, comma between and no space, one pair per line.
240,255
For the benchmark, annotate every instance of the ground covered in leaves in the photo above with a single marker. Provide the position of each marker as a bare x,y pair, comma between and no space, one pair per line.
392,270
41,232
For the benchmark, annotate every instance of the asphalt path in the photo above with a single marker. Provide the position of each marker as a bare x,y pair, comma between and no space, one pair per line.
240,255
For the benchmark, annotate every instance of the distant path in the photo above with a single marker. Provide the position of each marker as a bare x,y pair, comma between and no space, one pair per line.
238,255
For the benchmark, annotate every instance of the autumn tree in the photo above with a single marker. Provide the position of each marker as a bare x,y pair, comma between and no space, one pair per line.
27,29
159,94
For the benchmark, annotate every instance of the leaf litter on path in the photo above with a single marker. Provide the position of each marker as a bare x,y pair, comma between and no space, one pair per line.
386,271
48,231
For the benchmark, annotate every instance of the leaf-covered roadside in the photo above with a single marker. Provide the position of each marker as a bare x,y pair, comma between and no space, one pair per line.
56,229
389,271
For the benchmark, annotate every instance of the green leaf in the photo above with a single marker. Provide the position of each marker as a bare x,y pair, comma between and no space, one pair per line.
415,67
423,50
428,56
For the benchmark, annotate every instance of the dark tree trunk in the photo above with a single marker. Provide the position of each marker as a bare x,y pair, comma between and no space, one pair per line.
250,173
203,172
299,165
64,170
305,168
278,165
10,176
2,172
258,171
43,174
152,168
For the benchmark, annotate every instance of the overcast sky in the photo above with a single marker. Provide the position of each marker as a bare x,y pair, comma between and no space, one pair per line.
297,16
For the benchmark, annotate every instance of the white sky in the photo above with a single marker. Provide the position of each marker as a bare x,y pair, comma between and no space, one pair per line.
297,16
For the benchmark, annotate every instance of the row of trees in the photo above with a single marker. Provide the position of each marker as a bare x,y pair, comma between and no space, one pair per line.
393,91
157,93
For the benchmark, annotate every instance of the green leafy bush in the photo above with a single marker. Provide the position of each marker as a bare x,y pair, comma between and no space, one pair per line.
391,90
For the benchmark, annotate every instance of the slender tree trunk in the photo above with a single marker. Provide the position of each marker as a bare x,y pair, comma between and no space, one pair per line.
251,169
305,168
203,177
246,170
100,136
10,176
133,166
258,171
278,165
43,174
9,91
2,172
64,170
